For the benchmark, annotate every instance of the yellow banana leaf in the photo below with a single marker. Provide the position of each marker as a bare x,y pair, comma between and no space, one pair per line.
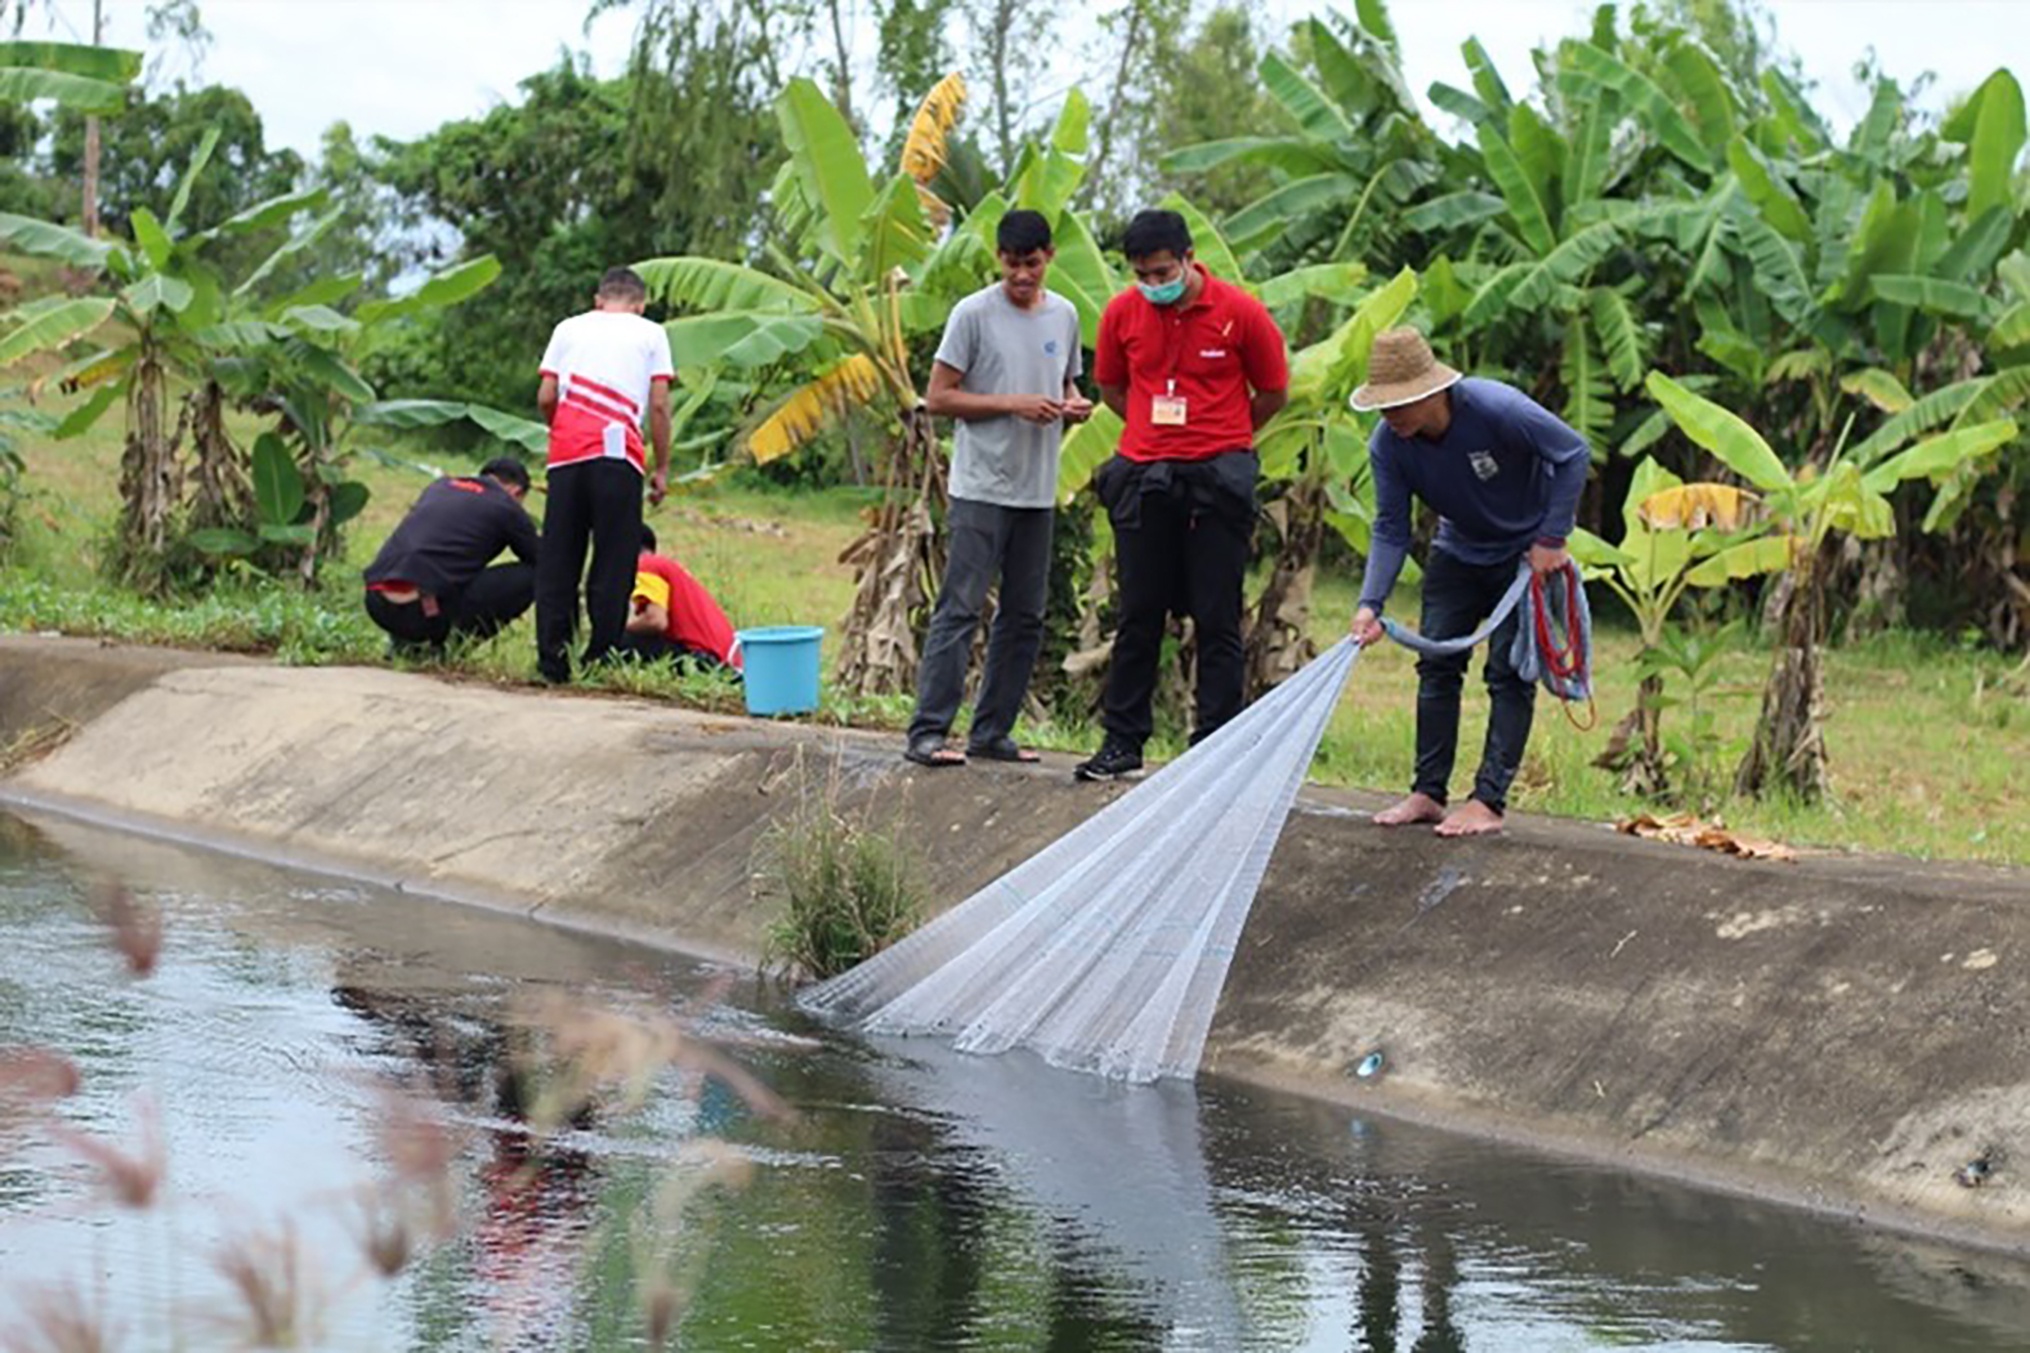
923,150
811,407
1695,507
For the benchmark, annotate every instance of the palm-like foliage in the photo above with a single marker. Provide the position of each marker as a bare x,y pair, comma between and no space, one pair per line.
1849,495
1354,156
172,322
827,327
88,79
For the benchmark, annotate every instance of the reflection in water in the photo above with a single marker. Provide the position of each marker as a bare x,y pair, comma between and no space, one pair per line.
537,1197
528,1240
920,1200
1120,1167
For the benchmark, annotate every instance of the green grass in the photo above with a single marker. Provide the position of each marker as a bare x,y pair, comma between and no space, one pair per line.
1927,740
847,885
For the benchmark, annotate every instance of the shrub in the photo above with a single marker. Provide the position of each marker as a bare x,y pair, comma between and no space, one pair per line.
848,887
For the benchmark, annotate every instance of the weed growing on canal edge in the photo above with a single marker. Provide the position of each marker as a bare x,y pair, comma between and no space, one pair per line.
848,887
558,1063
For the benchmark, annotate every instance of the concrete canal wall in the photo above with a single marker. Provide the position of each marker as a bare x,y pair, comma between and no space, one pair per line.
1843,1032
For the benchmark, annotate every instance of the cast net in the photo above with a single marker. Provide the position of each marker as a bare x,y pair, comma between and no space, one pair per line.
1105,951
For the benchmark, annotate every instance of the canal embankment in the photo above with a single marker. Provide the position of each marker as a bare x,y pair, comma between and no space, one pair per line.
1843,1032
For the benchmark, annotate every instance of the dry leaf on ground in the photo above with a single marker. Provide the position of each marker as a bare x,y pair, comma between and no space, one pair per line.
1684,829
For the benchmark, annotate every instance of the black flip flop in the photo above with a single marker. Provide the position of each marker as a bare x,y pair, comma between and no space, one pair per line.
934,753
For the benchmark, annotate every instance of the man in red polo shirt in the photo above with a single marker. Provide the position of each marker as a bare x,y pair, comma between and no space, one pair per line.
674,619
1194,366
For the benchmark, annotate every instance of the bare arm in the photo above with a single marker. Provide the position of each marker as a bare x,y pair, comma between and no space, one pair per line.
659,439
546,398
1115,397
947,399
647,618
1265,405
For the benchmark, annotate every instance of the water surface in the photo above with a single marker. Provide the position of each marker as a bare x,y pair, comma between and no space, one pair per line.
297,1031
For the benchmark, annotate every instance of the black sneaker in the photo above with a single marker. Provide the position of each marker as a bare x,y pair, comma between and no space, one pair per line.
1114,760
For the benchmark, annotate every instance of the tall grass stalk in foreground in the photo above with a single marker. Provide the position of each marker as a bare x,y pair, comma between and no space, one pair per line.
847,885
571,1061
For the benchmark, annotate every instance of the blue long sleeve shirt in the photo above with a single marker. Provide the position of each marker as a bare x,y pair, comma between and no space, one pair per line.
1507,473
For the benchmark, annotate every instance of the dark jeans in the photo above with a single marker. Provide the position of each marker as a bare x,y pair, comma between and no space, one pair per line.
986,540
1181,538
597,501
483,608
1457,597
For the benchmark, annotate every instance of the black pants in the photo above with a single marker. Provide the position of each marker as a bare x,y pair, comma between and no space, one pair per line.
1181,538
986,540
1457,597
483,608
597,501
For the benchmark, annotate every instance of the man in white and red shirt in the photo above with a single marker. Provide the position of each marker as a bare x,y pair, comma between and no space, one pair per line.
602,371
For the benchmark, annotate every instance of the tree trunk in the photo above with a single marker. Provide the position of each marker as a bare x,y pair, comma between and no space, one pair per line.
1879,589
1278,638
842,84
897,562
1131,44
89,211
88,214
1789,749
1005,17
1635,747
221,496
150,482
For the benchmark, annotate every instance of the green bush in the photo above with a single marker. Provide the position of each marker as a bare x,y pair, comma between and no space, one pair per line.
847,886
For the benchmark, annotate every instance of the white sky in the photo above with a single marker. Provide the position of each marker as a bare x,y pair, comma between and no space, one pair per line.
401,67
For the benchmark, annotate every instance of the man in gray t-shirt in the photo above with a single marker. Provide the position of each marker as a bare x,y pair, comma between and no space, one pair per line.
1007,370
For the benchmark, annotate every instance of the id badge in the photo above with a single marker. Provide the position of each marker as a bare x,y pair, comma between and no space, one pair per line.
1167,411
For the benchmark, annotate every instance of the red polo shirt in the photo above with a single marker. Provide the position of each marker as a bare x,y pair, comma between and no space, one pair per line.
1216,350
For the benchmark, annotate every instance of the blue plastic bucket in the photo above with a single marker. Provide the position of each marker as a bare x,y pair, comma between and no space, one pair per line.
781,668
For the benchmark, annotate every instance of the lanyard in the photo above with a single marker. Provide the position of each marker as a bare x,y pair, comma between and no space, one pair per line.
1173,349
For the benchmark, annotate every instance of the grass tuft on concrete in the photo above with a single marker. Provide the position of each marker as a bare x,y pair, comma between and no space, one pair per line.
846,884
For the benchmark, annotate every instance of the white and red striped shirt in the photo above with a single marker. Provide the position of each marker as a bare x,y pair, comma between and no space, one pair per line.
604,362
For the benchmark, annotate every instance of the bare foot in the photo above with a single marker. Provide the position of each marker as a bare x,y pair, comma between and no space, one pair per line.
1471,818
1416,808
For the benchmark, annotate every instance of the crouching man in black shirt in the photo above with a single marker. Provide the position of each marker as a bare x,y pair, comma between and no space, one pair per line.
431,580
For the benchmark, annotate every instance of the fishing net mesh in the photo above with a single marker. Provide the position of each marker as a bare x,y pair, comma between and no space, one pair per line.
1105,952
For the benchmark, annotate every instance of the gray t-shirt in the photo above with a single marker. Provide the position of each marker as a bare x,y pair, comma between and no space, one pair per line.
1004,350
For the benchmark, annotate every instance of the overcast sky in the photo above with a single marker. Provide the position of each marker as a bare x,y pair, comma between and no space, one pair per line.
402,67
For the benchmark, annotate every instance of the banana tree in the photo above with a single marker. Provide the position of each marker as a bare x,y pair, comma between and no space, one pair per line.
862,271
173,322
148,332
1847,496
831,320
1356,155
1873,272
73,75
1675,537
1316,450
1550,276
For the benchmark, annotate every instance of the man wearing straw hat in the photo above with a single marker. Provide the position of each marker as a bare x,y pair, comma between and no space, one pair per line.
1504,475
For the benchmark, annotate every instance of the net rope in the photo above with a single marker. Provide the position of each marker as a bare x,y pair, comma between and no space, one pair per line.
1105,951
1553,644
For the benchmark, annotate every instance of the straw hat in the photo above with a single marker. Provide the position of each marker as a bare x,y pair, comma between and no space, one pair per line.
1401,370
